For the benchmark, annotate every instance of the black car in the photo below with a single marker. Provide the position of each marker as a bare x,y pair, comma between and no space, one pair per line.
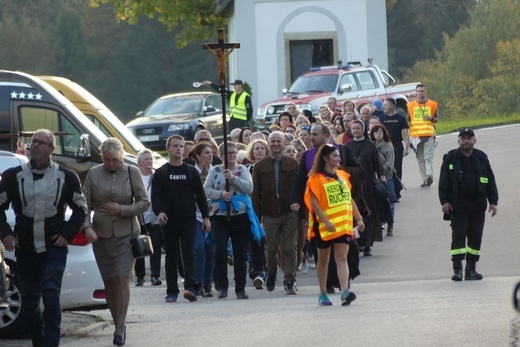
183,114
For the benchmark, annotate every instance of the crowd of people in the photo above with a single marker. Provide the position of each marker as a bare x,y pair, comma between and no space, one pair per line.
313,191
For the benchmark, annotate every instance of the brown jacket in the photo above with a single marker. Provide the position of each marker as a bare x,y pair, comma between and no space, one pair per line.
265,200
102,186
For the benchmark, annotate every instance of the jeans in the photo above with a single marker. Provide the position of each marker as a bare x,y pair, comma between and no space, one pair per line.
179,235
41,276
154,232
239,230
203,257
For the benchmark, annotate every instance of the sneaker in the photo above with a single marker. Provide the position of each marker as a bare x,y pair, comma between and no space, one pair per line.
171,298
290,288
190,295
312,264
423,184
156,281
347,297
429,181
305,267
206,288
390,231
230,260
258,282
323,300
139,282
270,284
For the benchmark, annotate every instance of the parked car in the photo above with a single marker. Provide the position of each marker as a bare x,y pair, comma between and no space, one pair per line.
183,114
82,287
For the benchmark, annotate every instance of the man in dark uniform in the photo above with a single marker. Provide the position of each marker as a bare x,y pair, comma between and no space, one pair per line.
466,185
240,103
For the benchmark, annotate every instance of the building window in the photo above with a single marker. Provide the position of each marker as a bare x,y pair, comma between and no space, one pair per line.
308,53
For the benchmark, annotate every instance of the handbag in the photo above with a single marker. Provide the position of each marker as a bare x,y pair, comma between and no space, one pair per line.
142,244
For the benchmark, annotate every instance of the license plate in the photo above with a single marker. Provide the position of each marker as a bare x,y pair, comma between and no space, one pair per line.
148,138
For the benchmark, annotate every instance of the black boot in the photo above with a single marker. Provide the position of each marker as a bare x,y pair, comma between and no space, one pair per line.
457,270
471,273
390,231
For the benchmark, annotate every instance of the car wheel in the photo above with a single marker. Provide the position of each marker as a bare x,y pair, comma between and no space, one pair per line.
12,322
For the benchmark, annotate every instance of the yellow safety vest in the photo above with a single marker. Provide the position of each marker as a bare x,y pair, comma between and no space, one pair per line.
418,126
335,200
239,110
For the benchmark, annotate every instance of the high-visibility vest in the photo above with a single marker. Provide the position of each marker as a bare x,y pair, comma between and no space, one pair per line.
418,126
335,200
238,109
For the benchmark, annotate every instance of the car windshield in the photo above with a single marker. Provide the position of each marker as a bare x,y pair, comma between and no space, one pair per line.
314,84
187,104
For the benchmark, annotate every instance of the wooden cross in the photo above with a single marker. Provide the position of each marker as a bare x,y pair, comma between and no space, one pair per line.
219,50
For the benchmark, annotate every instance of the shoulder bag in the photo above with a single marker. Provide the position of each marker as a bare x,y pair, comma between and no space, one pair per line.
142,244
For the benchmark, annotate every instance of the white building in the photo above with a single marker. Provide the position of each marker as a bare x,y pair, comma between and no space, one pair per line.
281,39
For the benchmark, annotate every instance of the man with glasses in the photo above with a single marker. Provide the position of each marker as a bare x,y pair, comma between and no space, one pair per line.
40,191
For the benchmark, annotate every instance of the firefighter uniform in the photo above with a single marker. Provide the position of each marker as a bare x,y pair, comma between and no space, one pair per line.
467,183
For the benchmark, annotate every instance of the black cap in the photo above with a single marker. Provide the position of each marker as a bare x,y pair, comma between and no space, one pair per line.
238,82
466,131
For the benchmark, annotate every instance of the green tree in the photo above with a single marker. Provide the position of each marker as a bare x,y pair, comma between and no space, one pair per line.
473,70
197,19
416,29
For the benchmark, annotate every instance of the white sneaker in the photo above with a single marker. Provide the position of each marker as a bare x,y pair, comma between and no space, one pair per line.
300,267
305,268
312,265
258,282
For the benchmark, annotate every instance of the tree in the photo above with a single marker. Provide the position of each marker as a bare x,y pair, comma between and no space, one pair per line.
477,69
196,18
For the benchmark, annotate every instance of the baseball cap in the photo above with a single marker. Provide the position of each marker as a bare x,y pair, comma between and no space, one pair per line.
238,82
466,131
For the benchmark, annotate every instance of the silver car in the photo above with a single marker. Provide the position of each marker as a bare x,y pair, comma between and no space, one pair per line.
82,287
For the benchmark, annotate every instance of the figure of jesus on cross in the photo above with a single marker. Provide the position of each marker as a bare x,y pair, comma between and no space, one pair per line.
219,50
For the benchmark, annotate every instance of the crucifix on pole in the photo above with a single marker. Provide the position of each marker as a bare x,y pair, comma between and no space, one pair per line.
219,50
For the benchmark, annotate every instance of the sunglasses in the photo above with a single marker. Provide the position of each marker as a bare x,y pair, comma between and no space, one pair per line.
305,127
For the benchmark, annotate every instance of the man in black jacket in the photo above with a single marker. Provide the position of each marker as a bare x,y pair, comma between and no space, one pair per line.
466,185
40,192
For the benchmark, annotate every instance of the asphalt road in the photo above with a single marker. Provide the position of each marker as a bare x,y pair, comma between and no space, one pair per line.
405,295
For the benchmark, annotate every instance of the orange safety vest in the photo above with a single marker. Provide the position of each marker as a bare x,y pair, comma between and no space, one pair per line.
418,126
335,200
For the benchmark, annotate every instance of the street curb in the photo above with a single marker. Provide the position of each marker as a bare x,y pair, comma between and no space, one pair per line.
85,331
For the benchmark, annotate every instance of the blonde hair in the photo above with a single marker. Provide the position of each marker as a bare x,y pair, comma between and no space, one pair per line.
112,146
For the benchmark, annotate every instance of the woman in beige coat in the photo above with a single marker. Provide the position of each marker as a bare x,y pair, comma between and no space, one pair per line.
108,189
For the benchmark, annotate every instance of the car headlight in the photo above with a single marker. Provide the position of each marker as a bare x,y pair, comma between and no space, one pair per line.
261,111
271,110
304,107
175,127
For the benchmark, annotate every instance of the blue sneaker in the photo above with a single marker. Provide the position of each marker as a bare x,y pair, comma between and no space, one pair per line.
171,298
347,297
323,300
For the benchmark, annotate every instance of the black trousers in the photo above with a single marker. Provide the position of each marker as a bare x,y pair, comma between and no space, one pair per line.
239,230
467,223
398,165
155,234
179,235
257,257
